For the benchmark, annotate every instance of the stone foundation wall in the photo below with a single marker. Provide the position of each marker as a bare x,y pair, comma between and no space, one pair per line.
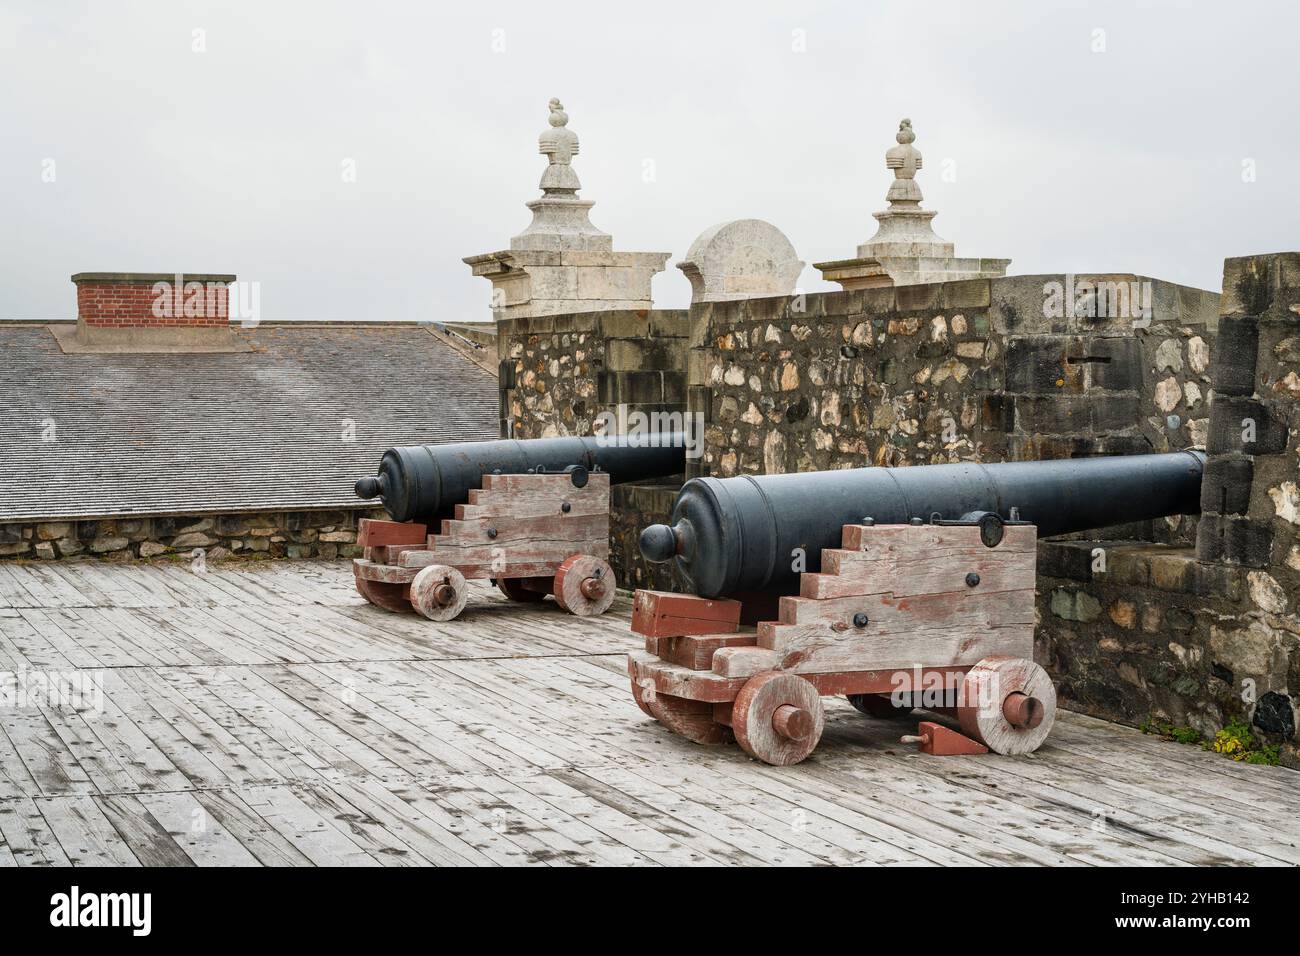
294,534
1158,635
1125,630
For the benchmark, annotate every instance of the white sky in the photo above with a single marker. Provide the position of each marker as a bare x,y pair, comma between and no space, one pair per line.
230,160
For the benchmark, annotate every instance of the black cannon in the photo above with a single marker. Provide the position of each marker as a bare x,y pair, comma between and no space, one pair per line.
426,482
735,535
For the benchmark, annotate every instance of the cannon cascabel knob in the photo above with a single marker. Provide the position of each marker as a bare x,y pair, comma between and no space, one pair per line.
368,488
658,543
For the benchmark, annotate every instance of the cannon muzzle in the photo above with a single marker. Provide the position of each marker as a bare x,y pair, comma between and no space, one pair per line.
756,532
426,482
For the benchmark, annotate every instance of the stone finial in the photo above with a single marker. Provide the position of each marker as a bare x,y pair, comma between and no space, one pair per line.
897,156
904,159
558,144
905,249
742,259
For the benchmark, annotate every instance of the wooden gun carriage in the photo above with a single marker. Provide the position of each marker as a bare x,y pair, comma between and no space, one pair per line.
899,616
893,610
532,534
531,515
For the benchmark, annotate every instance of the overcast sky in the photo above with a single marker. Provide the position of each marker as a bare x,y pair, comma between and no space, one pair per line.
230,159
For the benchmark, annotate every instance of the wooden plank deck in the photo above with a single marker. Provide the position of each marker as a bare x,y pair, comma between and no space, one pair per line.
266,715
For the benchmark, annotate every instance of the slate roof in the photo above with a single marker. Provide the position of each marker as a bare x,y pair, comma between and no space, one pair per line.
149,434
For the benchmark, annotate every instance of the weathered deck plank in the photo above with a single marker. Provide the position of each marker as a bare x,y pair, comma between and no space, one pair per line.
266,715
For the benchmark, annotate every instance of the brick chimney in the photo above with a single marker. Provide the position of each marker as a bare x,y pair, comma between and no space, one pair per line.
143,311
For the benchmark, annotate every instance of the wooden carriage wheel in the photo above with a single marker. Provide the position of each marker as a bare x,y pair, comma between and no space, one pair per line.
693,719
878,705
642,694
1008,703
585,585
383,594
519,589
778,718
439,592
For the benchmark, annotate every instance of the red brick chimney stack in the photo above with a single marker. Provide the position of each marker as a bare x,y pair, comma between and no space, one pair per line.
142,310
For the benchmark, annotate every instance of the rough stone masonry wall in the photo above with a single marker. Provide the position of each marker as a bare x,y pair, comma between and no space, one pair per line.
1200,639
294,534
1126,629
559,372
972,370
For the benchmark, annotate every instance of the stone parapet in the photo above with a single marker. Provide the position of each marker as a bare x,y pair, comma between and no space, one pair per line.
561,373
970,370
1251,496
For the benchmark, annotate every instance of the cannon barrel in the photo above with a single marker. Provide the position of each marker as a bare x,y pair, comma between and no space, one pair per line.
426,482
736,535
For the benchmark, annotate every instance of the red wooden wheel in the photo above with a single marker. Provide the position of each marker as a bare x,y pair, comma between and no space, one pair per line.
383,594
643,694
439,592
525,590
585,585
1008,703
778,718
693,719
